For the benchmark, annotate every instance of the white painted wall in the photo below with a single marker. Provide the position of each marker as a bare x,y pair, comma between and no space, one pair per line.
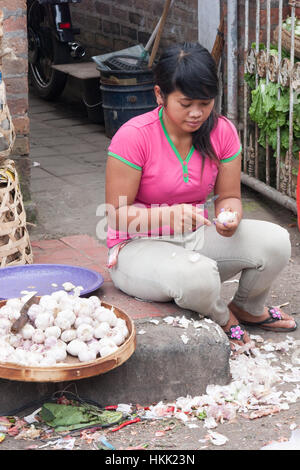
208,22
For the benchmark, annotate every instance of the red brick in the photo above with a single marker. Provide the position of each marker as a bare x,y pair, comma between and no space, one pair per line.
17,85
21,125
18,106
15,23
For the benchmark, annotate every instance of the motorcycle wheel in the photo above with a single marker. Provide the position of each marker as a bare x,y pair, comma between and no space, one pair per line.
44,50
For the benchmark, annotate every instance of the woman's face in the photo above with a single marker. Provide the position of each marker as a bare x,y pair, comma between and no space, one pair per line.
185,114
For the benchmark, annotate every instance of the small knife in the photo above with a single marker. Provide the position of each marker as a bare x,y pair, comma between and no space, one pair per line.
23,319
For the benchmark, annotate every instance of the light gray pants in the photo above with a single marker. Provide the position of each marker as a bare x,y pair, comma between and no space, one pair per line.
189,269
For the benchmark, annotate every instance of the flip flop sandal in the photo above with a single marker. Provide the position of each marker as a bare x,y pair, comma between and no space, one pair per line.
236,332
274,316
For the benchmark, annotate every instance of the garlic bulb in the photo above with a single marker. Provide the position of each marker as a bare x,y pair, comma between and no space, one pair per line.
102,330
65,319
68,335
5,312
75,346
60,354
48,361
85,332
50,342
5,324
94,301
226,217
106,350
47,302
14,304
104,314
53,331
83,319
59,295
86,355
15,340
27,331
43,320
117,337
34,311
38,336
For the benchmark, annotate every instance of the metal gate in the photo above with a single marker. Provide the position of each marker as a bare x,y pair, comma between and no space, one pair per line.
271,106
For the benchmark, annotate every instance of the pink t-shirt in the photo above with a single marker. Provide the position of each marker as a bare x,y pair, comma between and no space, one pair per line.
144,144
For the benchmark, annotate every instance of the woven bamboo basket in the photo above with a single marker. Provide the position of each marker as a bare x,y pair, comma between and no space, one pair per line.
15,246
286,41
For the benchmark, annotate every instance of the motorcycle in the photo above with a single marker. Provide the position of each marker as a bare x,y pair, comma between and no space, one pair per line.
51,41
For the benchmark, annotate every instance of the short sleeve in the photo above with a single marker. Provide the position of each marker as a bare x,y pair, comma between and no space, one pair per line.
225,140
127,145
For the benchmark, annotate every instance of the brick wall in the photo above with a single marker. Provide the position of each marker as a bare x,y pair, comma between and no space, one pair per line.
112,25
15,77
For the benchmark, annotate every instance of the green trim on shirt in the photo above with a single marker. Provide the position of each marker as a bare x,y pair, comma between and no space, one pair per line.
233,156
184,163
125,161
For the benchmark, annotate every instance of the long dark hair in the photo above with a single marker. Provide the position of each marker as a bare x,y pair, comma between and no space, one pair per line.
190,68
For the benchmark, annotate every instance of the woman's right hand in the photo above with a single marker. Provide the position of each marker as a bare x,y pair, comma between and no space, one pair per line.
186,218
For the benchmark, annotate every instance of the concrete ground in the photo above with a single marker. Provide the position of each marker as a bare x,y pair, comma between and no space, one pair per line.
68,186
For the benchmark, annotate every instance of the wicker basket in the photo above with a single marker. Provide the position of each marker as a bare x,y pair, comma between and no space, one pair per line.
286,41
15,247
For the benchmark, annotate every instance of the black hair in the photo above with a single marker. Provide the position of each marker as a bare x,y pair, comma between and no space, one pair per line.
190,68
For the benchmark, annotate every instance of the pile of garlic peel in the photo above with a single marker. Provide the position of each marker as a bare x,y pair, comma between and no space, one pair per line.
59,325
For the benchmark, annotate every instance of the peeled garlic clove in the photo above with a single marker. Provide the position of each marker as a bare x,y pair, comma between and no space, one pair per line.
68,286
226,217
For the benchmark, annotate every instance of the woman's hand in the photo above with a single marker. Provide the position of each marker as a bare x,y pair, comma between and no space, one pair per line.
227,229
185,218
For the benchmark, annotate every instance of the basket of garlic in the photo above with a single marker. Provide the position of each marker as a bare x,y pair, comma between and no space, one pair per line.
66,338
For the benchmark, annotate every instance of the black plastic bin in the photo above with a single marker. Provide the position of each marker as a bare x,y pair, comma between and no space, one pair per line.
125,94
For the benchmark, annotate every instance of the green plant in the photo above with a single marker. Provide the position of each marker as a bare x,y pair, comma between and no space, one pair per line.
269,112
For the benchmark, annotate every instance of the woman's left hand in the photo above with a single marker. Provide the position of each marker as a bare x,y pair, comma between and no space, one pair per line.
227,229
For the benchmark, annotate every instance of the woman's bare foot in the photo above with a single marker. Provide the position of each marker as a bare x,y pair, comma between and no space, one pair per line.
238,336
284,323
